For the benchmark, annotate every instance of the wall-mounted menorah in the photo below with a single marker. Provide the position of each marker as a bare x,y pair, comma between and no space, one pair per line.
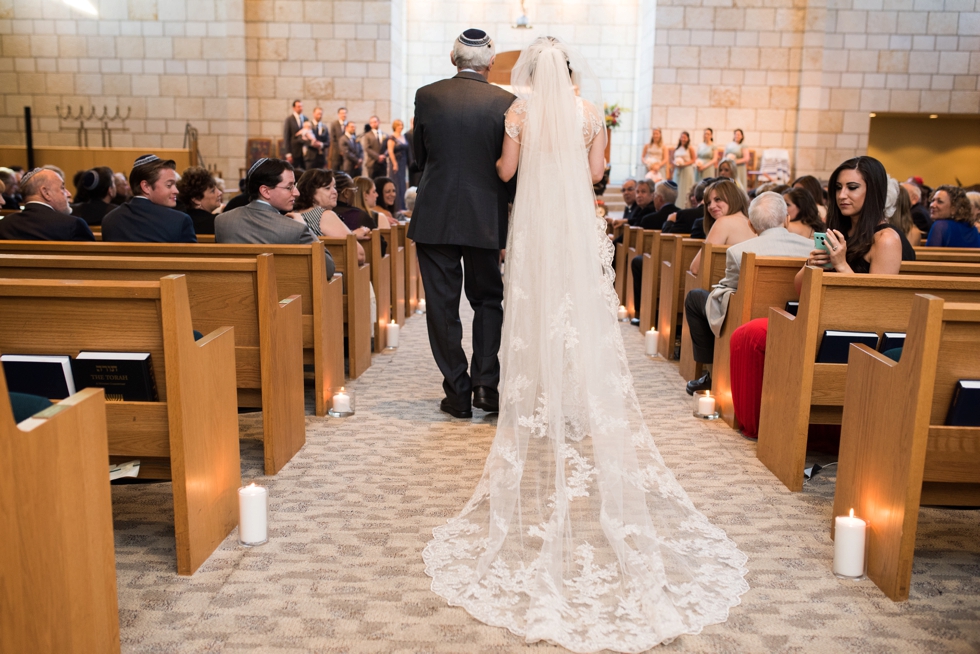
105,119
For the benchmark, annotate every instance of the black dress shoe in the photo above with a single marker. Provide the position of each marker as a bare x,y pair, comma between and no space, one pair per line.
635,322
453,411
486,398
701,384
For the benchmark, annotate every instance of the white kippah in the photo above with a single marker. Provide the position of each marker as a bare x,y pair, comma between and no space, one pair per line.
255,165
145,159
28,175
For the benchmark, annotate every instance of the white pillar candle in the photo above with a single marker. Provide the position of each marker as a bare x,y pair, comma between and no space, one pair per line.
651,341
849,536
706,405
421,306
622,314
341,402
253,511
392,334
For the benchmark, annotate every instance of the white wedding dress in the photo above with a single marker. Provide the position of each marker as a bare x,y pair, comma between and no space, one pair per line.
577,533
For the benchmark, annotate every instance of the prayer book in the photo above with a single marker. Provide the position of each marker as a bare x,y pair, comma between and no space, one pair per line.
48,376
792,307
125,376
964,409
891,340
836,344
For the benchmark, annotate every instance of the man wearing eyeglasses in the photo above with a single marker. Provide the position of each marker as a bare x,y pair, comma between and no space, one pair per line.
272,192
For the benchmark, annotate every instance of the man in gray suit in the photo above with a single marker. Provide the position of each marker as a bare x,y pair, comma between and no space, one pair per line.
461,216
706,311
272,191
351,152
337,130
375,155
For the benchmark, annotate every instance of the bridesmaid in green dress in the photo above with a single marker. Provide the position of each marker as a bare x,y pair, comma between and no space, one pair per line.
738,155
708,156
683,169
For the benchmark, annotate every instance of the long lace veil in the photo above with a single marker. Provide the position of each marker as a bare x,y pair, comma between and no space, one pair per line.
577,532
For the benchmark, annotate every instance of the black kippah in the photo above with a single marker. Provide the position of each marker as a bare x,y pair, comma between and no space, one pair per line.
474,38
90,180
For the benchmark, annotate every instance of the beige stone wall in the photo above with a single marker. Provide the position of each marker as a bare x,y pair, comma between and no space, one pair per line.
805,74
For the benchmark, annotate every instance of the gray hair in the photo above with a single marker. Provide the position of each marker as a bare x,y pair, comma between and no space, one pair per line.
667,192
478,59
767,211
410,198
648,183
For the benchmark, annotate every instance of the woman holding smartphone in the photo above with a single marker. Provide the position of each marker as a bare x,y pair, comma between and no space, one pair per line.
859,238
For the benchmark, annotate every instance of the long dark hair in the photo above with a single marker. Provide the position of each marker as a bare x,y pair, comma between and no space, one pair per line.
309,183
808,213
680,140
872,213
811,184
379,186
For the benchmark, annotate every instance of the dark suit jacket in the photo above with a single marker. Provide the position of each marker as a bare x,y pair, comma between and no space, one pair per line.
655,219
697,230
630,213
93,211
684,221
414,174
459,133
322,133
351,155
39,222
203,220
294,145
336,134
141,221
921,218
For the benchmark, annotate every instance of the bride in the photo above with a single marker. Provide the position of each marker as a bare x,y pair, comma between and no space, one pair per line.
577,533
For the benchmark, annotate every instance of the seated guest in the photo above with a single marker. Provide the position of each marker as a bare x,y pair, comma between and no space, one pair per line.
366,198
664,197
804,218
952,217
727,170
357,219
46,215
974,197
123,193
272,191
629,199
902,217
812,185
150,216
315,204
198,191
920,209
705,310
410,195
724,219
12,198
96,188
239,200
384,203
682,221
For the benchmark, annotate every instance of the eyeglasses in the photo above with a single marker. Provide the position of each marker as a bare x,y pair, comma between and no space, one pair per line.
287,187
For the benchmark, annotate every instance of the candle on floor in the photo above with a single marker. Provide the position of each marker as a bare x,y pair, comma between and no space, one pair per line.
253,515
849,539
420,307
341,402
622,314
706,405
651,341
392,335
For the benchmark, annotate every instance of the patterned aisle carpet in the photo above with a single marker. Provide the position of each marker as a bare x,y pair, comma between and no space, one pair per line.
350,514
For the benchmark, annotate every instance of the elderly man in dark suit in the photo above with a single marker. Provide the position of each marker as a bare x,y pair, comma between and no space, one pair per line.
351,152
461,216
46,215
272,192
290,126
337,130
150,216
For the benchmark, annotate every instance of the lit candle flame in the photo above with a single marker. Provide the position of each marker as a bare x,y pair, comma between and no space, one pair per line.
852,513
252,485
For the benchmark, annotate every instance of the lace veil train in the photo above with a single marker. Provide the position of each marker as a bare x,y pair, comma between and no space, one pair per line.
577,532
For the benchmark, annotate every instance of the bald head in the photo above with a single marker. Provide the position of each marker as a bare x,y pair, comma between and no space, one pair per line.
47,186
915,193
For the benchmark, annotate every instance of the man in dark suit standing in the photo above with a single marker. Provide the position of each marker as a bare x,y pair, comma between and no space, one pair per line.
337,130
375,152
351,152
292,125
322,134
150,216
414,174
461,215
47,214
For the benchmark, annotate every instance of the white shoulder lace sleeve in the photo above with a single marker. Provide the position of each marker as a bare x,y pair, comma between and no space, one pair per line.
514,119
592,122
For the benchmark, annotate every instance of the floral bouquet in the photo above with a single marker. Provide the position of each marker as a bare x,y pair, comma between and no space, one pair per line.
613,113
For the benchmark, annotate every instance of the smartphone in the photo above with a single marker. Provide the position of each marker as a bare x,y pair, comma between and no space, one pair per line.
820,243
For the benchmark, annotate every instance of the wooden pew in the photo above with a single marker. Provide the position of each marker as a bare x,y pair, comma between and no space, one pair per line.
201,238
238,292
896,451
58,565
656,248
711,272
412,280
619,259
398,252
300,270
381,280
356,301
948,255
671,304
633,239
797,391
763,282
191,435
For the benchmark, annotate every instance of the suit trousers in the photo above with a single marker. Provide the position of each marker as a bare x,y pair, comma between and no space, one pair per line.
443,268
702,338
636,265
